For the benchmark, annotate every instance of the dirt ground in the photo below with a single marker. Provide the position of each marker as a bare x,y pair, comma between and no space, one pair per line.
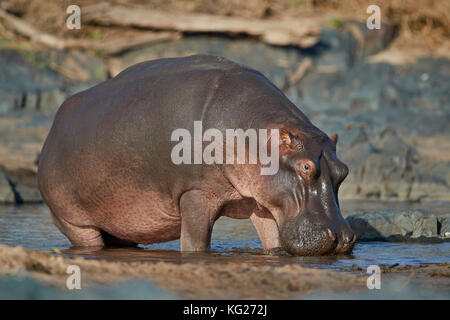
210,281
412,16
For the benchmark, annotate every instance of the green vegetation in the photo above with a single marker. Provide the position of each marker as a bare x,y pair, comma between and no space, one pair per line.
297,3
336,23
4,43
99,72
96,34
33,59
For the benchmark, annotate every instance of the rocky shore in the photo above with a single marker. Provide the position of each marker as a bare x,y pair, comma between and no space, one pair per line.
391,116
400,225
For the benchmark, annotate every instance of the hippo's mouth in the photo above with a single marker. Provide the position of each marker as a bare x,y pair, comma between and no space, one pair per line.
303,237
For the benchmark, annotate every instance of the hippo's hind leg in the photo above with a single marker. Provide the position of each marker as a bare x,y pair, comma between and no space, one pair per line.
79,236
89,236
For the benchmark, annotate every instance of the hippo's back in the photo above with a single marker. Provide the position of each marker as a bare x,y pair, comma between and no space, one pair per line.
130,117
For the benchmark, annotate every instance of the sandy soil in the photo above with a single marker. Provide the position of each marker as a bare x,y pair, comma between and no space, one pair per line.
208,281
224,281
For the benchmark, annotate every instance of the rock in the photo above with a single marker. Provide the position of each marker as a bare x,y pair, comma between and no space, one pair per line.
276,63
384,94
335,50
444,225
27,194
41,80
415,225
21,80
383,165
22,135
6,191
368,42
51,100
13,192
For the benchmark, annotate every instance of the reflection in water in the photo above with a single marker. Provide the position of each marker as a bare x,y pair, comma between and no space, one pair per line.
233,241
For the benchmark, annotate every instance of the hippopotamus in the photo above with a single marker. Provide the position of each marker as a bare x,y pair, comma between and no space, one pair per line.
107,176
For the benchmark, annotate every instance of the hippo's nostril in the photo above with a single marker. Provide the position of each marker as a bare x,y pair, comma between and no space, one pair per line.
348,237
331,234
345,243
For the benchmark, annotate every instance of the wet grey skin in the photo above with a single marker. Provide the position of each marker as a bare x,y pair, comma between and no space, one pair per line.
106,173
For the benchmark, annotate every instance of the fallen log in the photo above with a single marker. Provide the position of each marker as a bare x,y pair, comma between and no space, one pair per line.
288,31
25,29
120,43
111,46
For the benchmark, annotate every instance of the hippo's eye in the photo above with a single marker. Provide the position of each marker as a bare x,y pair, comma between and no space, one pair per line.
306,168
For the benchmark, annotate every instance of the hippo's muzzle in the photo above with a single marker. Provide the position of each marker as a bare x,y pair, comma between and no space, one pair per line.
308,235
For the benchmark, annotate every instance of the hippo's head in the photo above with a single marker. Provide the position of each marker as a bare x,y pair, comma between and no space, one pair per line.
303,195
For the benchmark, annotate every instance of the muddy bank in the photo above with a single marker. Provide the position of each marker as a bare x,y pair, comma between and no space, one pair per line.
213,280
188,280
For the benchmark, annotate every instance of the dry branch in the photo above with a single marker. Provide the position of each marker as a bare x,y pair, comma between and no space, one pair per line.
302,69
25,29
110,46
302,32
120,43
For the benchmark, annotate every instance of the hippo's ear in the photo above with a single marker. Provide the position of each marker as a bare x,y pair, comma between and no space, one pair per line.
334,137
285,142
285,137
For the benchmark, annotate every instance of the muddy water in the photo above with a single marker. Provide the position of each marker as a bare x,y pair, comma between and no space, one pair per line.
233,241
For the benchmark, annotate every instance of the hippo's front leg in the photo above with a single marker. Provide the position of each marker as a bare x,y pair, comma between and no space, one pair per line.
266,227
198,214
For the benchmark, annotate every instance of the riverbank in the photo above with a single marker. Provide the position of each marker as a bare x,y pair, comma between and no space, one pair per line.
213,280
188,280
34,257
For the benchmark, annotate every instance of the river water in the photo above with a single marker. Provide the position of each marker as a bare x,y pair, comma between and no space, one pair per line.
31,226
